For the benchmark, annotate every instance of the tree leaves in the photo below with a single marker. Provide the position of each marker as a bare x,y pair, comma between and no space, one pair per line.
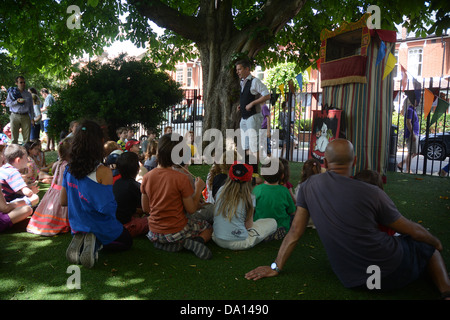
121,92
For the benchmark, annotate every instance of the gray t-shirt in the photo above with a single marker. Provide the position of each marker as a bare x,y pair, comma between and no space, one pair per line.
347,213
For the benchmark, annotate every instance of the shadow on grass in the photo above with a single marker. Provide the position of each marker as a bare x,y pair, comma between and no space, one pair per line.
33,267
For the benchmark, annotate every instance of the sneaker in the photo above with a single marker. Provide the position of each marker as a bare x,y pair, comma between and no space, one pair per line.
198,248
88,255
74,249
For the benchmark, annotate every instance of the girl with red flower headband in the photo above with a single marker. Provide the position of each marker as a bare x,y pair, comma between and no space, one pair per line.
234,227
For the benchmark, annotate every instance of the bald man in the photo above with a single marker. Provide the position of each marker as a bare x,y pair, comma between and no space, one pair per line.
347,213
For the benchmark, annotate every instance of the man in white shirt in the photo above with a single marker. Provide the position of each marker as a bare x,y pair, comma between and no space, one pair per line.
253,93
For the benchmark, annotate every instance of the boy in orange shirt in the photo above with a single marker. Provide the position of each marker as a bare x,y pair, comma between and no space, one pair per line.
170,199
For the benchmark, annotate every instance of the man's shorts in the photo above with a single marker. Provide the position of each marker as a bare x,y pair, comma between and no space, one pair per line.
250,132
5,222
416,256
45,125
413,146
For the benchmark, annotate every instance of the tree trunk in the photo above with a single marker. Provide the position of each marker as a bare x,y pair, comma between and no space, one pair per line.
218,41
220,90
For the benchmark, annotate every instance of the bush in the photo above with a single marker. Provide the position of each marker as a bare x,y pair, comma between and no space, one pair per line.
119,93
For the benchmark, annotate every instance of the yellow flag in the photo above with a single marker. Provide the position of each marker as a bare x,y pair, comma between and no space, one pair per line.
428,98
281,87
390,65
309,71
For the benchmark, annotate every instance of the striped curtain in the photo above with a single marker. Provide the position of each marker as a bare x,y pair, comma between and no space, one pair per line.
367,108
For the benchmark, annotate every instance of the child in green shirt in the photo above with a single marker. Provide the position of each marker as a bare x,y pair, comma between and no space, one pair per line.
274,201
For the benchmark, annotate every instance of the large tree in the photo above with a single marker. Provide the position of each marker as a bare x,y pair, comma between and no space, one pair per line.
37,33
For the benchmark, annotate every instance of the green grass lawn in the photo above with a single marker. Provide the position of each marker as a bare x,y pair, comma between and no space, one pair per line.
35,268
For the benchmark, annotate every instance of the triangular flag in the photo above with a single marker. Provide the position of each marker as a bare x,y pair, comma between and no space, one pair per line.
428,98
404,78
281,87
309,70
390,65
299,78
442,106
417,89
381,53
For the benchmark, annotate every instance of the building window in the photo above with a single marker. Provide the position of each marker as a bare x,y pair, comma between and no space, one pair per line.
189,77
396,72
415,62
180,76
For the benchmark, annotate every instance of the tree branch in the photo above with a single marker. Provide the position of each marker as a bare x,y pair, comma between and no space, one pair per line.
164,16
276,14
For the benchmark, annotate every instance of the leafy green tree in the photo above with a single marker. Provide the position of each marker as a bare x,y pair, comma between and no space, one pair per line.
37,33
283,74
119,93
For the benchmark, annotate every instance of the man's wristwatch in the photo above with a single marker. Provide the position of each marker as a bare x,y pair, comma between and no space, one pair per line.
274,266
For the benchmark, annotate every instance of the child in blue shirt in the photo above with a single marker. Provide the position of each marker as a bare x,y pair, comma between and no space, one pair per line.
87,191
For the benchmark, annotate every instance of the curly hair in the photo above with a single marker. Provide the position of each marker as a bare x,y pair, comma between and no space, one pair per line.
87,149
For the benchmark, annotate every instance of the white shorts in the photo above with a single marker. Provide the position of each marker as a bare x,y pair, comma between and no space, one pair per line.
250,132
260,230
413,146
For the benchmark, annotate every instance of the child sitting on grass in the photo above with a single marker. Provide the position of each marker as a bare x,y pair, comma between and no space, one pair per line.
168,195
50,218
122,134
150,155
285,179
36,173
39,158
234,227
30,173
127,192
12,212
133,145
13,185
87,191
373,177
310,167
273,200
217,176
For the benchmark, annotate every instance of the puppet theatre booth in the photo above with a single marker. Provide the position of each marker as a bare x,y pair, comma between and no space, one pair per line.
357,91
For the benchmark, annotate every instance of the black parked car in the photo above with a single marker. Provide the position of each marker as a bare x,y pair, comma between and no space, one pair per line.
437,147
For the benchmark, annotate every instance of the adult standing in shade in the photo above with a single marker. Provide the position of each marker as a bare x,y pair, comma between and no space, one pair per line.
20,104
48,102
253,93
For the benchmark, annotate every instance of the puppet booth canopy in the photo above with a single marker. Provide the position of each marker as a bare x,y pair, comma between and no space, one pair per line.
355,78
